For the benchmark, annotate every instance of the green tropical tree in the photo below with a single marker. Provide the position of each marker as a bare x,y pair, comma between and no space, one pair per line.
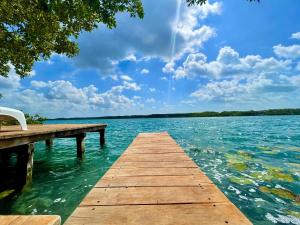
32,30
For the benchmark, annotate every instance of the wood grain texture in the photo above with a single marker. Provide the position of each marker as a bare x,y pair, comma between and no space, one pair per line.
155,182
30,220
175,214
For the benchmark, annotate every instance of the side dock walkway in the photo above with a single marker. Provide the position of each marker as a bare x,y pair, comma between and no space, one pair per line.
155,182
14,140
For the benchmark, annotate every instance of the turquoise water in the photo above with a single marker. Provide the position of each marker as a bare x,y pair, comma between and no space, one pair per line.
255,161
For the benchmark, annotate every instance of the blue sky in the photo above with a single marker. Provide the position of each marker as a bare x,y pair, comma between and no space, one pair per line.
226,55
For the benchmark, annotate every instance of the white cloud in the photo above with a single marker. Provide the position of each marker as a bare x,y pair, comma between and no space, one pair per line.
148,38
130,57
250,89
145,71
298,66
164,78
189,30
61,98
289,52
152,89
11,82
131,86
205,10
150,100
229,63
137,97
126,78
296,35
38,84
251,79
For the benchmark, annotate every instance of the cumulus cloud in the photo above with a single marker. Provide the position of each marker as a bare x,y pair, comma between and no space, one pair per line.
148,38
11,82
235,78
150,100
296,35
244,89
62,98
232,78
130,57
38,84
126,78
145,71
289,52
229,63
193,35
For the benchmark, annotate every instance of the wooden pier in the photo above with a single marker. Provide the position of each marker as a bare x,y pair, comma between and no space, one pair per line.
30,220
155,182
14,140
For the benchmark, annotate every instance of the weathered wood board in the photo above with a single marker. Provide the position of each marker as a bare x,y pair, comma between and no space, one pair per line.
30,220
155,182
11,136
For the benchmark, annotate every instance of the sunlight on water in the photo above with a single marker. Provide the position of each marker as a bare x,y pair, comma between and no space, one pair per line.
255,161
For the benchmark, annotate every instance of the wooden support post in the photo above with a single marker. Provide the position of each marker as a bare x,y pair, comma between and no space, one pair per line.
25,155
4,166
102,137
80,144
49,143
5,157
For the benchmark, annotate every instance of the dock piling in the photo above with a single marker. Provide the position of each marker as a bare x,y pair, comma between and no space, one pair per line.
80,144
102,137
19,142
49,143
25,155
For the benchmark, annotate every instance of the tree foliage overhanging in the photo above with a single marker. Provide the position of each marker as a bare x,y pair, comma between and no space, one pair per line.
32,30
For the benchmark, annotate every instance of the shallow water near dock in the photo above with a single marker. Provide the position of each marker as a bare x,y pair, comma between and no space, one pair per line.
255,161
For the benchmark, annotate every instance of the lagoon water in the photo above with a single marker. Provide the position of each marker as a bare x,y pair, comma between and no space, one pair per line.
255,161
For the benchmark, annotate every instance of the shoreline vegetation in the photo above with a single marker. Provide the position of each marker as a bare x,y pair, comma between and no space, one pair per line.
269,112
30,119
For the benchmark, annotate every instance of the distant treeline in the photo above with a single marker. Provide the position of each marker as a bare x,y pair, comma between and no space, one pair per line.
269,112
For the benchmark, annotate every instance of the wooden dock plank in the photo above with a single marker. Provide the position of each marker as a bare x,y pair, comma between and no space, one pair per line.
179,214
173,157
11,136
155,182
207,193
182,164
30,220
15,131
153,172
152,181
